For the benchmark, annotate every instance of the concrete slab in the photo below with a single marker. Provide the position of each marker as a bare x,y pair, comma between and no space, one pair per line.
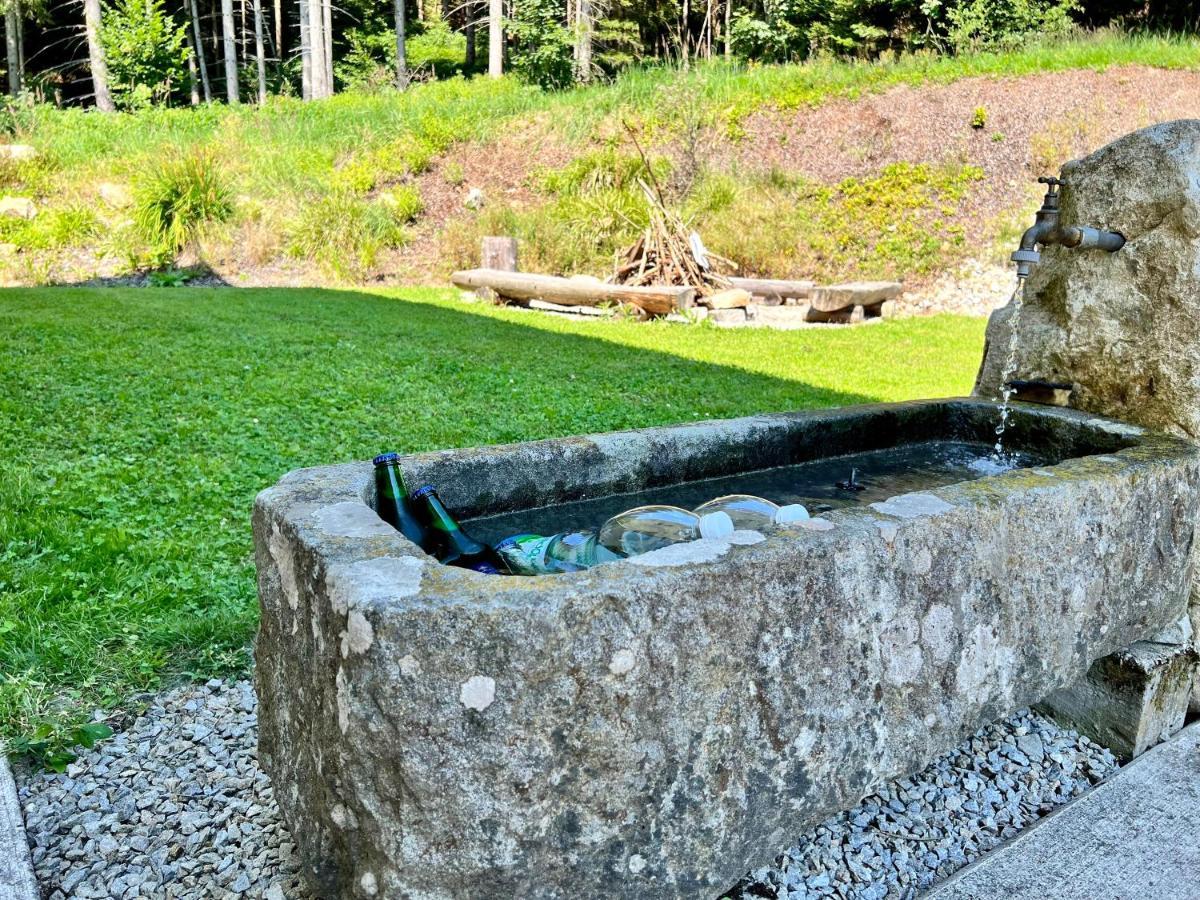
16,872
1135,837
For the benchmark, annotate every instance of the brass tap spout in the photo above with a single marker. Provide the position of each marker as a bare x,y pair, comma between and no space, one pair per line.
1046,231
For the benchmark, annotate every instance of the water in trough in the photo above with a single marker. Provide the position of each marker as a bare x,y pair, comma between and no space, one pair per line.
879,473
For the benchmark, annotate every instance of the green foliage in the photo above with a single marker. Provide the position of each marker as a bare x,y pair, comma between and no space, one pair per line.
900,222
779,30
345,233
139,424
52,229
979,117
542,44
974,25
146,51
369,64
169,278
604,169
178,197
53,748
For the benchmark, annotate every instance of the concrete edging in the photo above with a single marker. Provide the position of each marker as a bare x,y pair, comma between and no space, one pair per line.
17,881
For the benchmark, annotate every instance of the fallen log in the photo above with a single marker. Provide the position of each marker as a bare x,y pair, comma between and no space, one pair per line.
523,287
782,288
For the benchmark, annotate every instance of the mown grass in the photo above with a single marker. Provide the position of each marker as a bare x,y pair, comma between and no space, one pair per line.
286,159
139,424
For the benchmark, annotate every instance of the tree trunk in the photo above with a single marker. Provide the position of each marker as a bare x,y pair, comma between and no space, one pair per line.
12,40
469,32
199,49
327,26
684,34
728,19
401,56
583,41
306,72
495,38
316,48
258,52
229,37
193,75
91,24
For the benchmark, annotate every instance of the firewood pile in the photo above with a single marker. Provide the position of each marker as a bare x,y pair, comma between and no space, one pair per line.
669,253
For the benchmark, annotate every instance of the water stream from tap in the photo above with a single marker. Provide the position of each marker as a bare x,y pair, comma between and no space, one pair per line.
1009,371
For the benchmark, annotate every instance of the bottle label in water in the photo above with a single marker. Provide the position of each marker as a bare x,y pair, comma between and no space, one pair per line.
524,554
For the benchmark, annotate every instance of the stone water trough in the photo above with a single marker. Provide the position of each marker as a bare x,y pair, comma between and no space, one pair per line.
655,727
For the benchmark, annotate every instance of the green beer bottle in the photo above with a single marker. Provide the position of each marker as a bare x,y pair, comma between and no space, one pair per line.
451,544
393,503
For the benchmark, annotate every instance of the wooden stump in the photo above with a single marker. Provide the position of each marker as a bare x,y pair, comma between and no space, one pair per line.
500,253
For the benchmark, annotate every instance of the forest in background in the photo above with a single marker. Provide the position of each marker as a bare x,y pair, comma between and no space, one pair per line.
129,54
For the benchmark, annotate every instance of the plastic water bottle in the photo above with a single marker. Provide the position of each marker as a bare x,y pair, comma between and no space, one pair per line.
746,510
791,512
534,554
753,513
647,528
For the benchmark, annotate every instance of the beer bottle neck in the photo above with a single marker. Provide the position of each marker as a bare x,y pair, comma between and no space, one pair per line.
390,481
439,516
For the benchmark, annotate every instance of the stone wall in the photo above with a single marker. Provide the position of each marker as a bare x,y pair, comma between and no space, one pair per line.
1124,327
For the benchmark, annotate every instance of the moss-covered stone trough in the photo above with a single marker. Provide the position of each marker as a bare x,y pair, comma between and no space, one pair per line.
656,727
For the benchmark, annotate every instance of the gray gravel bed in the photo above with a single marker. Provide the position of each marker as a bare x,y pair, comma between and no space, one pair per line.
175,806
898,842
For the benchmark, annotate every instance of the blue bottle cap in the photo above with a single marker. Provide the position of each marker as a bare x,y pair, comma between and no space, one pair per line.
385,458
424,491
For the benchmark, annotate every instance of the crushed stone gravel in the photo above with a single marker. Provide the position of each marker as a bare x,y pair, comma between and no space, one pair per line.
175,806
918,830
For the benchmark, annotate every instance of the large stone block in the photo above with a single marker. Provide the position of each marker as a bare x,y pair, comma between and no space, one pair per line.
653,727
1130,700
1124,327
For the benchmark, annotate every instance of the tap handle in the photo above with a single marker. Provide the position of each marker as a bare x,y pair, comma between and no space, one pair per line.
1052,183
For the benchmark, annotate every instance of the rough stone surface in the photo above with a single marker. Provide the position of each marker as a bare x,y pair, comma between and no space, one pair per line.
18,152
115,195
918,830
1136,836
16,871
1123,327
770,685
175,806
17,207
836,297
1131,700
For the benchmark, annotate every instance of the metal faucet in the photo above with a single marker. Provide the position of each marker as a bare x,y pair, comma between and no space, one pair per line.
1046,231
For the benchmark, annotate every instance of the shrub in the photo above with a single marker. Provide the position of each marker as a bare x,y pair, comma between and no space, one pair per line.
542,45
405,202
345,234
146,52
179,197
606,169
979,117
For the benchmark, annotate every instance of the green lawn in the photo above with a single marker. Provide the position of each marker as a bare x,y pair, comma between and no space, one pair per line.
137,426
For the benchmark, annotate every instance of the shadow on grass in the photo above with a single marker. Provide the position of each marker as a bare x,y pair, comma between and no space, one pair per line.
140,424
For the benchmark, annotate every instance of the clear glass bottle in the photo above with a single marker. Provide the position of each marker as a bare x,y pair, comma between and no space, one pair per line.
746,510
647,528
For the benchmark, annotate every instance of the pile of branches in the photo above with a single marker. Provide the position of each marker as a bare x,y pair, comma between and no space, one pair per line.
669,253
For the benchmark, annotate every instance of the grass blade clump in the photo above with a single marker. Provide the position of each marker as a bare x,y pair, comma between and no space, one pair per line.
177,198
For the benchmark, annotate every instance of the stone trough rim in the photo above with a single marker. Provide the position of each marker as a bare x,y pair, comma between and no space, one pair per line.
306,492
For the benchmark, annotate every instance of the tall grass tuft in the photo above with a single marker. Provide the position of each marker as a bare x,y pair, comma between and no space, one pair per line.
178,197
